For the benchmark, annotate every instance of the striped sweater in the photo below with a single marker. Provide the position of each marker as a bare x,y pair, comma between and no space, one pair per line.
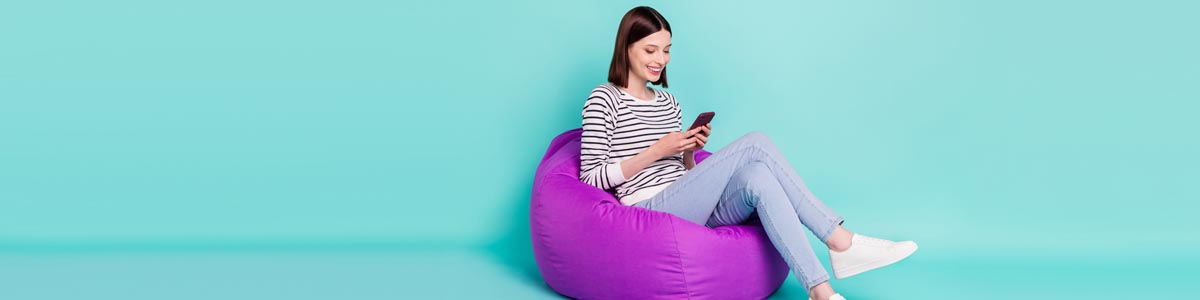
617,126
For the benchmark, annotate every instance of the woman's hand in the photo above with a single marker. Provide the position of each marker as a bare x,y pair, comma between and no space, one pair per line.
685,141
700,137
674,143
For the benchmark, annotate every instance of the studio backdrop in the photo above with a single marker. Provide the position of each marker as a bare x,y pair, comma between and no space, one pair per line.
988,131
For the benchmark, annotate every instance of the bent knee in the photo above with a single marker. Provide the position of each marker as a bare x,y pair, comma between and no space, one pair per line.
755,137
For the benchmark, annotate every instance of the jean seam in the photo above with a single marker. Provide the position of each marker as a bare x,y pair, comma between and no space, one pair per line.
790,259
829,232
814,282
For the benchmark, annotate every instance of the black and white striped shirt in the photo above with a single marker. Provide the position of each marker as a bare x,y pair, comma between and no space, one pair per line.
617,126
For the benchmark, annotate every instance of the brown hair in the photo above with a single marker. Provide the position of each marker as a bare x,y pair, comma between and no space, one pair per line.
638,23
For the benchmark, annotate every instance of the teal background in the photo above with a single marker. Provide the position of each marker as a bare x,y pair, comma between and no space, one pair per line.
379,149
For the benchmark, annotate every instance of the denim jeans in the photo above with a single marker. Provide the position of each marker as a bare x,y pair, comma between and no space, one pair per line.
747,176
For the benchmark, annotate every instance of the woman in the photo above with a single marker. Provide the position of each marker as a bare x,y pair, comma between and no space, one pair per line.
632,144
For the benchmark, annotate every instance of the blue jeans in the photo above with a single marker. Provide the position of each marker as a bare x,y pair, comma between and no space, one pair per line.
747,176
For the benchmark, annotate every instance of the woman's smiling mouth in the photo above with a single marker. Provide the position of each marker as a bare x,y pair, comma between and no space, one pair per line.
654,70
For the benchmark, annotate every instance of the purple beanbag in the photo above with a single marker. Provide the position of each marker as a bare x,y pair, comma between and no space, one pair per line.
589,246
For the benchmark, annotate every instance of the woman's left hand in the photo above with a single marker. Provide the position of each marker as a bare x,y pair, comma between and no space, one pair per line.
700,138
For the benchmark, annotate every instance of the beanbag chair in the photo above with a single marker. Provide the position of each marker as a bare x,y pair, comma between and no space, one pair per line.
589,246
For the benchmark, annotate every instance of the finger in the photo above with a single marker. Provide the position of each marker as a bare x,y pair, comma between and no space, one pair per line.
702,138
686,143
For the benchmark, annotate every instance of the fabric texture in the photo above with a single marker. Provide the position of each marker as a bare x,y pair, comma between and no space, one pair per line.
616,127
588,245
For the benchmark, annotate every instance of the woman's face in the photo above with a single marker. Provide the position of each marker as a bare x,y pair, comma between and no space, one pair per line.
648,57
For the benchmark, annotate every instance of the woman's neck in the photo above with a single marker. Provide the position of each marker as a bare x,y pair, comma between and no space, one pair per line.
640,91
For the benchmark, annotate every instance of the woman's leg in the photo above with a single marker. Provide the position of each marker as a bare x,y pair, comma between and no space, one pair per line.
703,186
709,194
847,256
696,196
754,189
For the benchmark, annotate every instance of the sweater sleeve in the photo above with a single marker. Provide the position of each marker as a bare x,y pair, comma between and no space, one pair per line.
599,122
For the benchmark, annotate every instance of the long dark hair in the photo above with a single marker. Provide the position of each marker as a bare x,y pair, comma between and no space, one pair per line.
638,23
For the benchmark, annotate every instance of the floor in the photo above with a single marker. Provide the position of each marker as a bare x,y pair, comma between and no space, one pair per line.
477,274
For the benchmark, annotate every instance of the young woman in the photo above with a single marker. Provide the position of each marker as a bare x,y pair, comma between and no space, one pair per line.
632,144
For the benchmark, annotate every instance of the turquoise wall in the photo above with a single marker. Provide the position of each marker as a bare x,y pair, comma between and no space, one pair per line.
977,128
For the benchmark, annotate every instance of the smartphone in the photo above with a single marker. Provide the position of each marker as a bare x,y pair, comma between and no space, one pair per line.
702,119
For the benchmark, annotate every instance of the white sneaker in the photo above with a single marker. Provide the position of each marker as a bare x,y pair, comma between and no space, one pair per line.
868,253
834,297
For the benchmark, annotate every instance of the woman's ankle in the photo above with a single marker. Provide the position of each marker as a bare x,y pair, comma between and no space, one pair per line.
821,291
840,239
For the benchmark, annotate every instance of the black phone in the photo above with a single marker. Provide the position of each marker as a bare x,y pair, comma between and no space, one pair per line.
702,119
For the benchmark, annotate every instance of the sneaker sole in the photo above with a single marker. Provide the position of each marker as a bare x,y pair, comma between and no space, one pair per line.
859,269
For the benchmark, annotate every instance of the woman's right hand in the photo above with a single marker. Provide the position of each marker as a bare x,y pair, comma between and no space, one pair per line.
675,142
